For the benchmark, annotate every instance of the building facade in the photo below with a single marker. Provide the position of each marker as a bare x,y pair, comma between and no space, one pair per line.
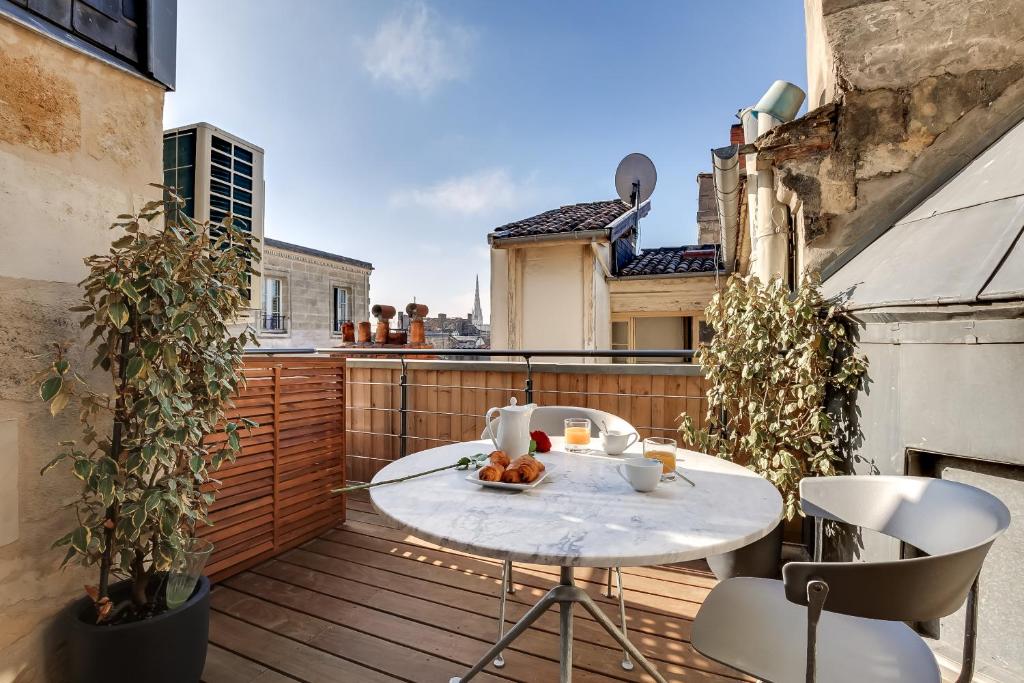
308,294
217,174
571,278
81,115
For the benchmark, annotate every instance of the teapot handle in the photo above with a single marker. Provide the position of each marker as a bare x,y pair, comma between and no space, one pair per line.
488,422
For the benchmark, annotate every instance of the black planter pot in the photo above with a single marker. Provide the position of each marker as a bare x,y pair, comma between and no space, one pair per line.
760,559
169,648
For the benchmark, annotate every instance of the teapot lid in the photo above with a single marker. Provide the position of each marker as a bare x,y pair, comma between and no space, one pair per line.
513,405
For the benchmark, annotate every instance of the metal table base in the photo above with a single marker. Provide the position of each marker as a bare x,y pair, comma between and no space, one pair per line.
565,594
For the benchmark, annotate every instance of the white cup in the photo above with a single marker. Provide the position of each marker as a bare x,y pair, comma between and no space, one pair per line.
614,443
643,474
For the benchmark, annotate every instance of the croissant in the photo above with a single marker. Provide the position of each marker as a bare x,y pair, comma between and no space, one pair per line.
512,475
529,468
492,472
499,458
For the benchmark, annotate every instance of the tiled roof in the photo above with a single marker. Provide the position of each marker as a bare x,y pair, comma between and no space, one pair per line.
572,218
673,261
309,251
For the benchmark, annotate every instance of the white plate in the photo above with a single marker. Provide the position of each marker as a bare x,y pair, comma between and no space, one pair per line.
473,477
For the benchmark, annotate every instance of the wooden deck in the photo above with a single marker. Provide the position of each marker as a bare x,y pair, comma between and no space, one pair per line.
365,602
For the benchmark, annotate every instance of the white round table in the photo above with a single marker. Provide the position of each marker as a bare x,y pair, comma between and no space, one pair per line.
583,515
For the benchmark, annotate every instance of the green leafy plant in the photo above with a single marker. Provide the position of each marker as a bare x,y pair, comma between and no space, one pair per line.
161,306
776,362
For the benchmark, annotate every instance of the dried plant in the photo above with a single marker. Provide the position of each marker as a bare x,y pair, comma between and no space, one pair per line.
776,362
160,306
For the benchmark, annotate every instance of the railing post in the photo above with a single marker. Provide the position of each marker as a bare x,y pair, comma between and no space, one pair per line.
529,380
403,408
277,455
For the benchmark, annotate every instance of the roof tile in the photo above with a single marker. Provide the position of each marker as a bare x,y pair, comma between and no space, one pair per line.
673,261
566,219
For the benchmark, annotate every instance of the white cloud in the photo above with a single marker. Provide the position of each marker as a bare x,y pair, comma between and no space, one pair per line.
416,49
484,191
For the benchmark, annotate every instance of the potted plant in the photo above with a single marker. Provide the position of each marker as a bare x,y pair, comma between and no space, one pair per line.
159,307
780,366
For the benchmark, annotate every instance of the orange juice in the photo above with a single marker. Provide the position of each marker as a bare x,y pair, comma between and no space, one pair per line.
577,436
667,459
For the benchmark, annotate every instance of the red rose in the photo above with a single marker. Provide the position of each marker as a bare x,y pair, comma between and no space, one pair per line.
542,441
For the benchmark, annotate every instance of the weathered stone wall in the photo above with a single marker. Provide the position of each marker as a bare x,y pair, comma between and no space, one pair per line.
907,91
79,142
307,297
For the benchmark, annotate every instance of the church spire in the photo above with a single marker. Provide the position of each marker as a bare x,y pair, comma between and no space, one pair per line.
478,314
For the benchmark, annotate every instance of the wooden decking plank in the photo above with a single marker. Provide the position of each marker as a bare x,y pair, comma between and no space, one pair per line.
472,575
691,573
301,611
661,638
291,657
223,666
601,660
523,571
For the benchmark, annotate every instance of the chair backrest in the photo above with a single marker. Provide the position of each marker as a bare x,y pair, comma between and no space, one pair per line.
955,524
551,420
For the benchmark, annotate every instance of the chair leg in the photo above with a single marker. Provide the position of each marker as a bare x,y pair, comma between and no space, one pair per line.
627,663
506,582
970,634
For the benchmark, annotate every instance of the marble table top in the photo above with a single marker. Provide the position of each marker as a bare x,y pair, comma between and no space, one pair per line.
584,514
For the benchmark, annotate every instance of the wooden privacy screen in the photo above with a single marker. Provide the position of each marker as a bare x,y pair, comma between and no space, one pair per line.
276,494
447,405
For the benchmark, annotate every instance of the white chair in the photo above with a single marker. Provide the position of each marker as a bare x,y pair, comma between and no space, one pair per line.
842,622
551,421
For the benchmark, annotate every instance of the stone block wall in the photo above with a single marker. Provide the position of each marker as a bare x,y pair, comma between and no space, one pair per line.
902,94
79,142
307,297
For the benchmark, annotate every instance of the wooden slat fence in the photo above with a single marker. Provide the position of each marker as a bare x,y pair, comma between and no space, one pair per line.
446,403
276,494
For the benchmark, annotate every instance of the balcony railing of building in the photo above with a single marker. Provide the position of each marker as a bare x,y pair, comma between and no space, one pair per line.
332,415
273,322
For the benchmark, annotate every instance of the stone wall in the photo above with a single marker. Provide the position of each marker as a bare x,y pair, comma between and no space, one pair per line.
907,91
79,142
307,297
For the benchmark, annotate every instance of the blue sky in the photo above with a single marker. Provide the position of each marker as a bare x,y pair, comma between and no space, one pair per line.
402,131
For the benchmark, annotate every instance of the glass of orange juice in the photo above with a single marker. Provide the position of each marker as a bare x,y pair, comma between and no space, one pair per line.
577,435
664,451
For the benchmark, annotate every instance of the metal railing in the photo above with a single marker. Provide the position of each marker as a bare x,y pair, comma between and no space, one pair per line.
273,322
624,386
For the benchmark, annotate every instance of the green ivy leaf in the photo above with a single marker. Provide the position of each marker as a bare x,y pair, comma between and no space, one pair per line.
49,388
118,314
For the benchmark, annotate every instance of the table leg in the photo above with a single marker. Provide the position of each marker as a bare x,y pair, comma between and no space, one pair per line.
565,628
565,594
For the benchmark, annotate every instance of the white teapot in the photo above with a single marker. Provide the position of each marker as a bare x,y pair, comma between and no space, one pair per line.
513,428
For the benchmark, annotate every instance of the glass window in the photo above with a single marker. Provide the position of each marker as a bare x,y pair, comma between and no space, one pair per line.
217,216
243,210
340,313
220,188
220,202
243,168
221,144
221,159
620,338
242,181
243,195
186,149
220,173
243,154
170,152
273,314
243,224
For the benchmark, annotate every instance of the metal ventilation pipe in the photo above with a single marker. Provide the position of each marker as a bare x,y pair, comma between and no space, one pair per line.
725,162
780,104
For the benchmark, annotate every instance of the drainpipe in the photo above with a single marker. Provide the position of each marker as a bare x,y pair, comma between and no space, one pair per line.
725,162
768,239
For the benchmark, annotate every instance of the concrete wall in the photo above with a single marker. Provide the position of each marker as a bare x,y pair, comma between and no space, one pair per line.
79,141
915,86
307,297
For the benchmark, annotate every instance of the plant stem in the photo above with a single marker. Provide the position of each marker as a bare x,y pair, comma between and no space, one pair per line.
360,487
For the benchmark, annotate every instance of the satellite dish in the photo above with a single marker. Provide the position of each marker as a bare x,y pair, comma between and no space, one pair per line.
635,175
